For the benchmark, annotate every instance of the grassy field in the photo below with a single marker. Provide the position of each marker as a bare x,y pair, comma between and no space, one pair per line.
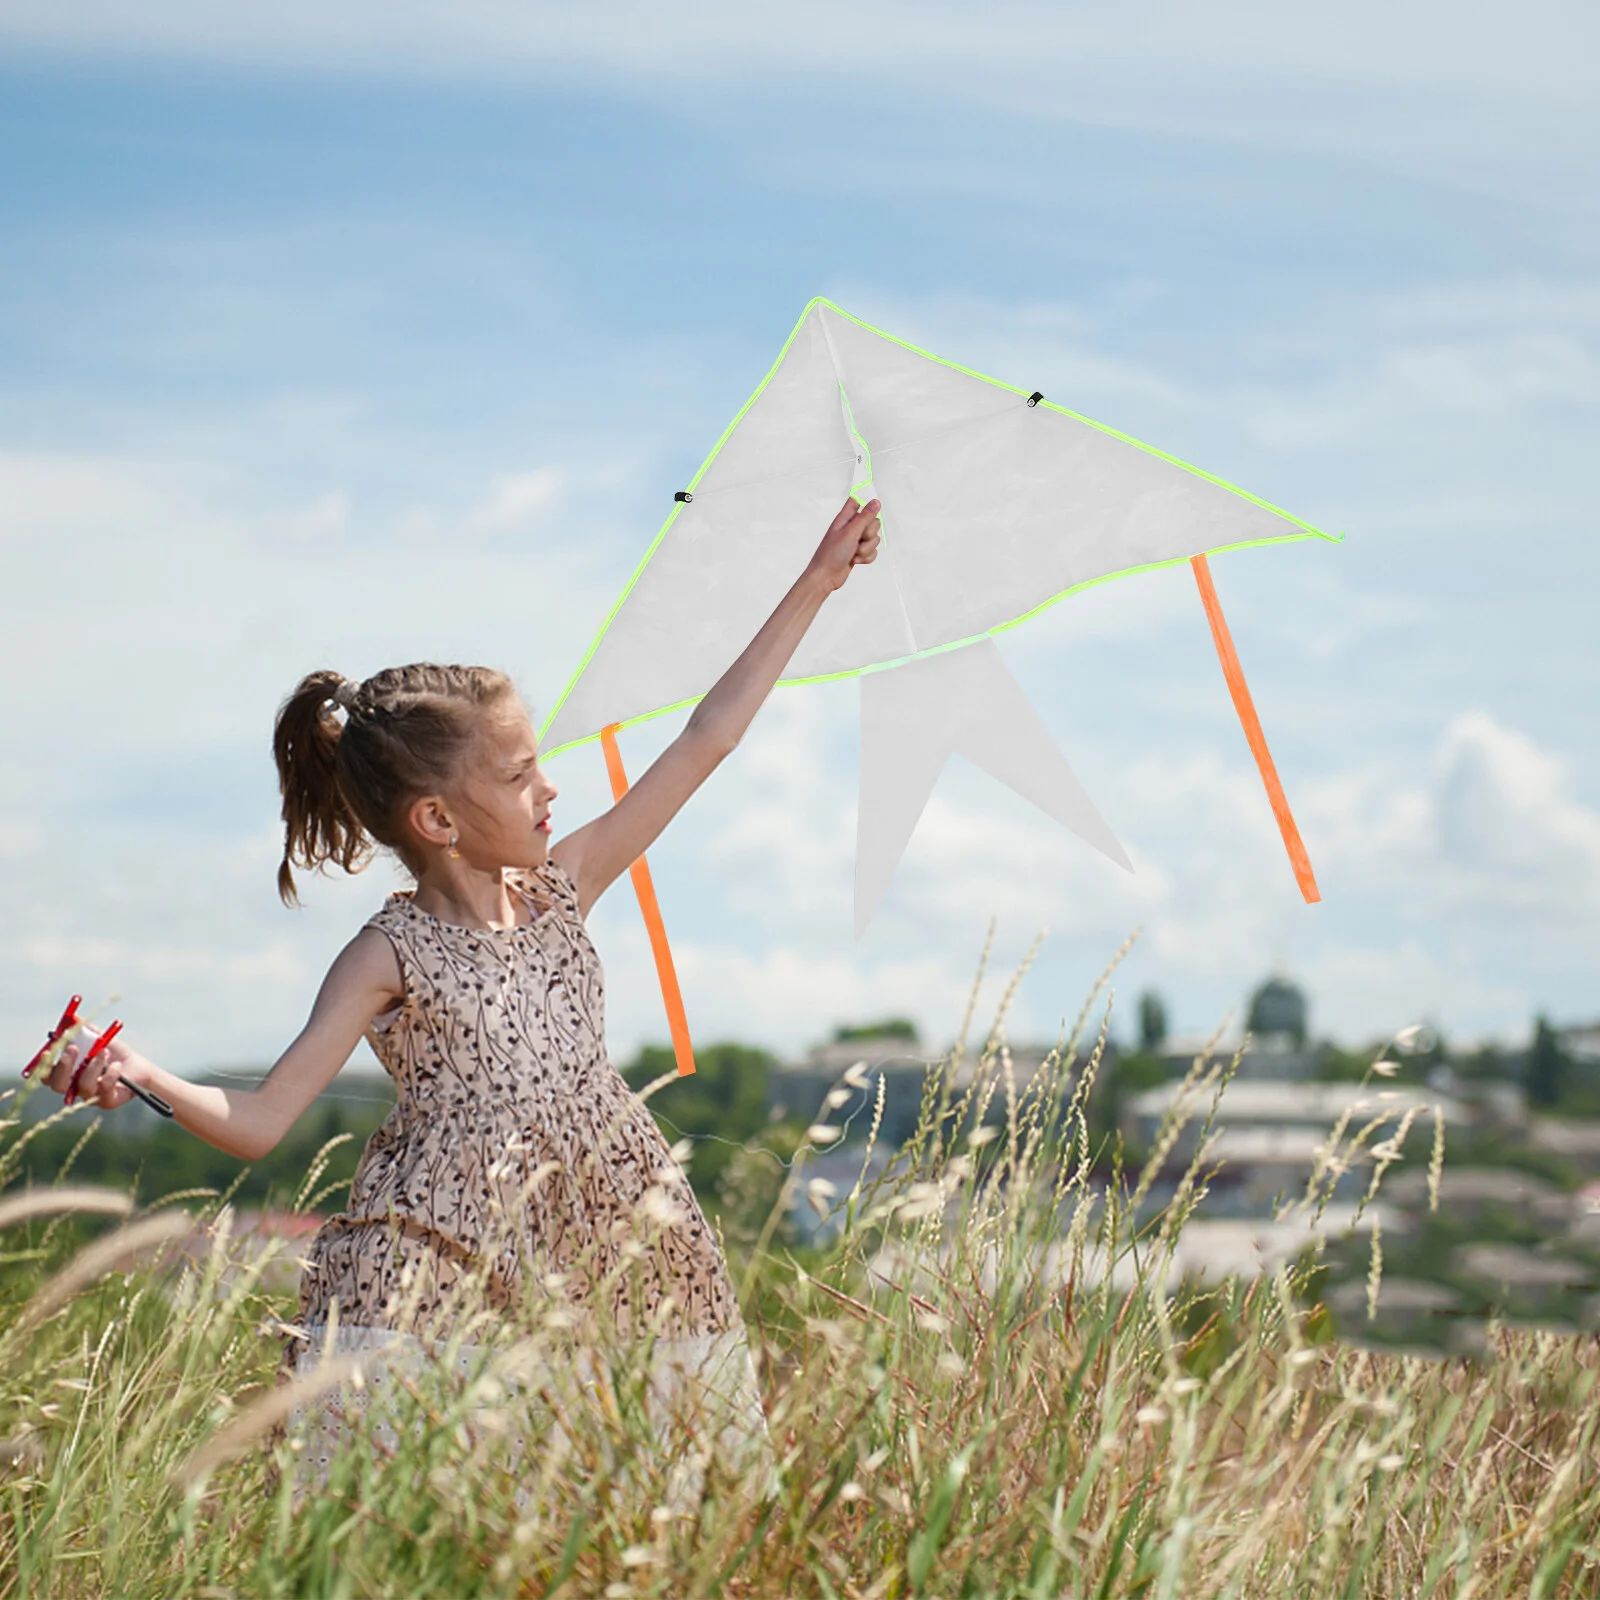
960,1401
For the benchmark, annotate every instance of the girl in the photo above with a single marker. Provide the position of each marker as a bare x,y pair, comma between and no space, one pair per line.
515,1155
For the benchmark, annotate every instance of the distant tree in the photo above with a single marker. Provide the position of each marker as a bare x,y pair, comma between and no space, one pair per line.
1134,1073
152,1161
1485,1064
1343,1066
889,1028
1152,1022
1582,1094
1121,1077
1548,1066
1433,1050
718,1107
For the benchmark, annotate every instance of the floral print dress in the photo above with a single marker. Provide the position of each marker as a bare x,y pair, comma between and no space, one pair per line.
515,1154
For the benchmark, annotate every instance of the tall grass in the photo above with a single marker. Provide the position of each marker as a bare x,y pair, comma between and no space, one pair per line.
991,1383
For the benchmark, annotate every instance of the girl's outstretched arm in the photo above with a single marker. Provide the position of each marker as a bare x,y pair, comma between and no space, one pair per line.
363,981
598,853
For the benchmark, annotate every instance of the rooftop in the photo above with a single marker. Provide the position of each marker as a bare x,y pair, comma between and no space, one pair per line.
1292,1103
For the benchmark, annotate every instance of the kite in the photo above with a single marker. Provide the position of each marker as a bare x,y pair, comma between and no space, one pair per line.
996,503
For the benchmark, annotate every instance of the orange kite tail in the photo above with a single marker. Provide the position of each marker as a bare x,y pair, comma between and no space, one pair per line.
677,1022
1245,706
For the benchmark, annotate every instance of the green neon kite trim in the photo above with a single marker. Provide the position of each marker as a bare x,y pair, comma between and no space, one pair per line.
1307,530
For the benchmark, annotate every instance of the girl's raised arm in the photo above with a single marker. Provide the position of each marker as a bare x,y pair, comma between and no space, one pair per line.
363,981
598,853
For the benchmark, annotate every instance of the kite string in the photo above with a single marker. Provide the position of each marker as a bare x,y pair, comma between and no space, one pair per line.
327,1094
660,1116
761,1149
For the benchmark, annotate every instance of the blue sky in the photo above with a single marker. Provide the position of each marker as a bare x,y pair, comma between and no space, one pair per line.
351,335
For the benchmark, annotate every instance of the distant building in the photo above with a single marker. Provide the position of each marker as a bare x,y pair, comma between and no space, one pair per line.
1575,1140
1269,1135
1470,1192
817,1208
1275,1057
1279,1012
1285,1105
800,1088
1278,1027
1581,1042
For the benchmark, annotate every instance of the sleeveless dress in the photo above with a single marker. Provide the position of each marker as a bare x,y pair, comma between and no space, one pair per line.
516,1151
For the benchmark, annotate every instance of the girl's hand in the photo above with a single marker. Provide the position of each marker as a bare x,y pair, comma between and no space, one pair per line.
364,981
102,1080
851,541
598,853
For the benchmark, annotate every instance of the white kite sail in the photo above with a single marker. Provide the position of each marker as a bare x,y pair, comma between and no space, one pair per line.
996,502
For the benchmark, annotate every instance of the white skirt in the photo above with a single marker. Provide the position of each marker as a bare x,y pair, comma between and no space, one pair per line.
708,1378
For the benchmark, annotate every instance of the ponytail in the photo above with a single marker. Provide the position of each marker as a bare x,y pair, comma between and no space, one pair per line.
318,821
346,783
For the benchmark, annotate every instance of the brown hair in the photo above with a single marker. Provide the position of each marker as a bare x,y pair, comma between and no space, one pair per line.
346,783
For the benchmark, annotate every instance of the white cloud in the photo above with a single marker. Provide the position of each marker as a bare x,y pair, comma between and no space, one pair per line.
792,995
1485,826
21,837
177,931
155,614
1436,872
1439,373
1462,46
325,519
1399,981
784,841
516,501
130,863
129,860
46,495
182,594
1487,96
1514,838
1509,304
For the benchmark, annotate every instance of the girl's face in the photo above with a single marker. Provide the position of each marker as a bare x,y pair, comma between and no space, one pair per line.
502,805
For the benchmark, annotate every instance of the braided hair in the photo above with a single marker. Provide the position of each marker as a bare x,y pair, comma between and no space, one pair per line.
348,780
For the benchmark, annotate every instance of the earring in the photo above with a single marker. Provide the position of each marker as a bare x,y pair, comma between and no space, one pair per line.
455,855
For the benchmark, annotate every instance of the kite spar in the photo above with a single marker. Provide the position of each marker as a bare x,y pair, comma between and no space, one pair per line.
996,503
